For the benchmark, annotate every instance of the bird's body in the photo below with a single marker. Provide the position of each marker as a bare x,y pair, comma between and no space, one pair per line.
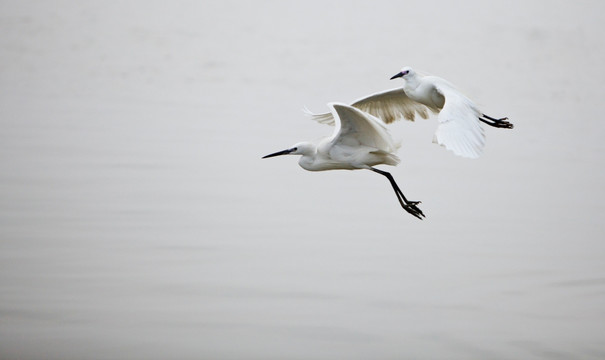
459,118
327,157
359,141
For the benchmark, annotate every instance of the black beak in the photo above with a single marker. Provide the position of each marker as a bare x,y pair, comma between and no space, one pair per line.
399,74
283,152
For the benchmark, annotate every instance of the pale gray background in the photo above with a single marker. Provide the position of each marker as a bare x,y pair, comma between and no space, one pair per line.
137,220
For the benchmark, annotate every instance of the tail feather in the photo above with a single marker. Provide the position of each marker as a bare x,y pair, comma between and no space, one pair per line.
387,157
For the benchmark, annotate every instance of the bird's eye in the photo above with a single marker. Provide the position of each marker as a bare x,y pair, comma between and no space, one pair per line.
294,149
406,72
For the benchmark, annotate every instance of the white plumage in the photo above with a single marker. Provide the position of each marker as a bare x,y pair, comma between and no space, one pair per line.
459,118
359,141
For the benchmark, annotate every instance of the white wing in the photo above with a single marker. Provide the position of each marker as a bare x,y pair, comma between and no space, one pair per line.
355,128
459,129
389,105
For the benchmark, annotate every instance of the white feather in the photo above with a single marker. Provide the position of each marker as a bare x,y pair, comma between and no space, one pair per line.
459,127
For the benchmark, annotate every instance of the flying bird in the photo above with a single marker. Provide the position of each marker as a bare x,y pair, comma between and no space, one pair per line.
459,118
359,141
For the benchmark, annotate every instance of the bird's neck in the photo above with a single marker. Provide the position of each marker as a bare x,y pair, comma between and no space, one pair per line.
308,162
411,84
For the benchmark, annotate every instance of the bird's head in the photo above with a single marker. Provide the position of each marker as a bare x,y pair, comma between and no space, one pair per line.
301,148
405,73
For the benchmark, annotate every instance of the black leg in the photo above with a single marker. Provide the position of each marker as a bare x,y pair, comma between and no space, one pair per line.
409,206
497,123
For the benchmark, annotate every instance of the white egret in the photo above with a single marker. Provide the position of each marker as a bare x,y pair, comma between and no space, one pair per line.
359,141
459,118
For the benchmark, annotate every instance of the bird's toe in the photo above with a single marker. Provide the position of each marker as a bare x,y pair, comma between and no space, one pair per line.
411,208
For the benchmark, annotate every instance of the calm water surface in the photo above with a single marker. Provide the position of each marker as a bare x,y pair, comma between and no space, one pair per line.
137,220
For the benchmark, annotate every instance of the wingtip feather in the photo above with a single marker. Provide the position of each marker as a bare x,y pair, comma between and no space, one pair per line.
323,118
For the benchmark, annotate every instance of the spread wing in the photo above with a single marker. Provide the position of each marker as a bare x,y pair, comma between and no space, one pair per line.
459,128
355,128
389,106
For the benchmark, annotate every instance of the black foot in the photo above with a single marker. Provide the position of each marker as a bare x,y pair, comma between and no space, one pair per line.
411,208
497,123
